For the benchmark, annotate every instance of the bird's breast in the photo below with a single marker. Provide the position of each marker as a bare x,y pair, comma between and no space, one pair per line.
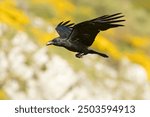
76,47
72,48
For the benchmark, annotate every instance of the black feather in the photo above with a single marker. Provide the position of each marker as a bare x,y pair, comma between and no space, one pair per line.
79,37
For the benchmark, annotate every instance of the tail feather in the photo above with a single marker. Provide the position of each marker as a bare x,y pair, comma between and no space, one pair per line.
100,54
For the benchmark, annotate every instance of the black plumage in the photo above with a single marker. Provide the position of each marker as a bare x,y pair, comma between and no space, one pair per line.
78,37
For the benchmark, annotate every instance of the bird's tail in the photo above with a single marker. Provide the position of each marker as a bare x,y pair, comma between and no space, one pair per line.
101,54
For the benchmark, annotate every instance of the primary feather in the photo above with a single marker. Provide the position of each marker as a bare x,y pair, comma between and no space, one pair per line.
86,31
64,29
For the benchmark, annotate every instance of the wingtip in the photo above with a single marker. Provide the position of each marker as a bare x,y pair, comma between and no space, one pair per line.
66,22
60,23
70,25
115,14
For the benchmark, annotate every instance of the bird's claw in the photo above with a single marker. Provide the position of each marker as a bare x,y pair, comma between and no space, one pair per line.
79,55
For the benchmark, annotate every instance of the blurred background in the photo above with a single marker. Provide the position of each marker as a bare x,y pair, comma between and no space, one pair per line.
30,70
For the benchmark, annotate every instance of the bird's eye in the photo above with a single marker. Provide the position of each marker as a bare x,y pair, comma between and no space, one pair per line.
54,40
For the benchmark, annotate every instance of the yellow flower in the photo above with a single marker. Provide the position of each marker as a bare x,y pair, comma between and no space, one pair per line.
104,44
62,7
139,42
3,95
41,36
140,58
11,15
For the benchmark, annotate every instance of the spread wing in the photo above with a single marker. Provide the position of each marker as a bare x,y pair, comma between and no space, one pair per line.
64,29
85,32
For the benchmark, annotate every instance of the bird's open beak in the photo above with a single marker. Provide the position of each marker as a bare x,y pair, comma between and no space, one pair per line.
49,43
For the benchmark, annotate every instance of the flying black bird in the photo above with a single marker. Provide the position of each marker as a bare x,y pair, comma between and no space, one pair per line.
79,37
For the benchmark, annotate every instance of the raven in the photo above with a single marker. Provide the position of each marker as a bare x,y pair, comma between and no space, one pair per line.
78,37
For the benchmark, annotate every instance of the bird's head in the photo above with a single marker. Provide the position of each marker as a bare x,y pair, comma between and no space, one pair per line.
56,41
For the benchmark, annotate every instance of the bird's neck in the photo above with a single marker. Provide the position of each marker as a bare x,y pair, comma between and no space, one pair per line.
65,43
62,43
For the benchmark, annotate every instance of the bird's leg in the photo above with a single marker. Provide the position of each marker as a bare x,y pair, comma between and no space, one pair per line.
94,52
79,55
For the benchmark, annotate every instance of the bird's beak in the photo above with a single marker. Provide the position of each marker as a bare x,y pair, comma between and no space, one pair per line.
49,43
